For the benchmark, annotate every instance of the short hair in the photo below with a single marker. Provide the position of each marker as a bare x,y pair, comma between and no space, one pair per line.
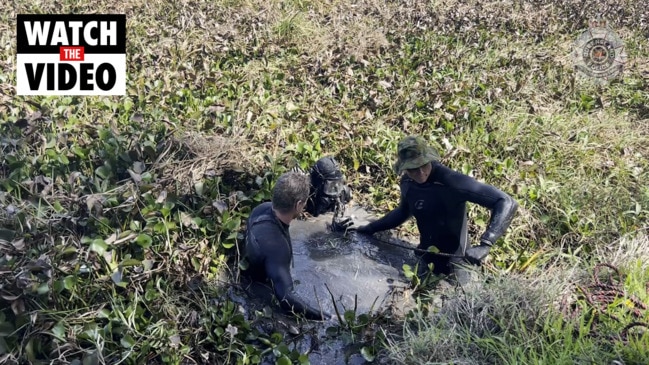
290,188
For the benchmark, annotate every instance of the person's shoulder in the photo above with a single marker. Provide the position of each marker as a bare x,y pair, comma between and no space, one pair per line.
265,206
447,175
404,184
261,212
405,180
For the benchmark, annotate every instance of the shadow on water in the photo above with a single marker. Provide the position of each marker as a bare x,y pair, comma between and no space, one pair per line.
360,272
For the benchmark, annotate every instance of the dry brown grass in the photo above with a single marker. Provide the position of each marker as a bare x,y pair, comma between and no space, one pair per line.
195,157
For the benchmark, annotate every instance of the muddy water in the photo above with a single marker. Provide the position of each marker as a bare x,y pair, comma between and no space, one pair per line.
360,272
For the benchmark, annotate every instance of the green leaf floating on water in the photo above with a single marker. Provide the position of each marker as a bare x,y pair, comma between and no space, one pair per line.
350,316
407,271
284,360
367,354
304,360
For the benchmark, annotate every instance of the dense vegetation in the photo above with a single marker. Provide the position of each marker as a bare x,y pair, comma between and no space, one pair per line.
121,217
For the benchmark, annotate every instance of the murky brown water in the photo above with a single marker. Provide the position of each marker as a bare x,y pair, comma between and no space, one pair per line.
359,271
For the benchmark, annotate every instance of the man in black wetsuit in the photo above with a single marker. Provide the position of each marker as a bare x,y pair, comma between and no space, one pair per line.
436,196
269,251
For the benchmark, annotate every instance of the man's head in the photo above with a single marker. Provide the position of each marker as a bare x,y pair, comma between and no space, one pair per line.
327,187
290,193
415,157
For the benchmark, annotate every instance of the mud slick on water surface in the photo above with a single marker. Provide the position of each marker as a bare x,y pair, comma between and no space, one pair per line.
361,273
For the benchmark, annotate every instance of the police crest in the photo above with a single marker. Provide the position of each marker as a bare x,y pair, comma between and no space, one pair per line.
599,53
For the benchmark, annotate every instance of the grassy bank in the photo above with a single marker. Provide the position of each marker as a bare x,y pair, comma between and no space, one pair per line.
121,217
579,313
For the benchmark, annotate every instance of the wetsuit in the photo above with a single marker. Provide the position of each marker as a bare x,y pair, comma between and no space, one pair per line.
269,253
439,206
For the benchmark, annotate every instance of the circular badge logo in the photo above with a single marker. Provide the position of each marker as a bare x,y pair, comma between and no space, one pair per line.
599,53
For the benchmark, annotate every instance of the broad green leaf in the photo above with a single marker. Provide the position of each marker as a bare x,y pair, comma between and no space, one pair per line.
78,151
57,207
148,264
304,359
284,360
363,319
349,316
70,282
283,349
130,262
151,294
69,250
433,249
99,246
29,349
127,342
196,262
103,172
43,289
59,331
144,240
367,354
276,337
128,104
218,331
332,331
135,225
103,313
58,286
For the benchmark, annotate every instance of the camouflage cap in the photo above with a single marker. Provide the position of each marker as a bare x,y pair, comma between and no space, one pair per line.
414,152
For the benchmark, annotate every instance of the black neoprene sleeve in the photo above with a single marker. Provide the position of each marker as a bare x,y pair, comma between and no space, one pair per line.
392,219
280,276
277,264
503,207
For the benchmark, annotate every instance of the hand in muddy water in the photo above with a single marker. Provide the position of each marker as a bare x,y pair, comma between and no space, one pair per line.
364,230
476,254
342,225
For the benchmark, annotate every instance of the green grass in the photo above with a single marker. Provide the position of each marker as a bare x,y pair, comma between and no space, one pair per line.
537,318
121,217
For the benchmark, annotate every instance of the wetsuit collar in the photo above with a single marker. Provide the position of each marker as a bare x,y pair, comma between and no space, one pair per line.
284,224
277,216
